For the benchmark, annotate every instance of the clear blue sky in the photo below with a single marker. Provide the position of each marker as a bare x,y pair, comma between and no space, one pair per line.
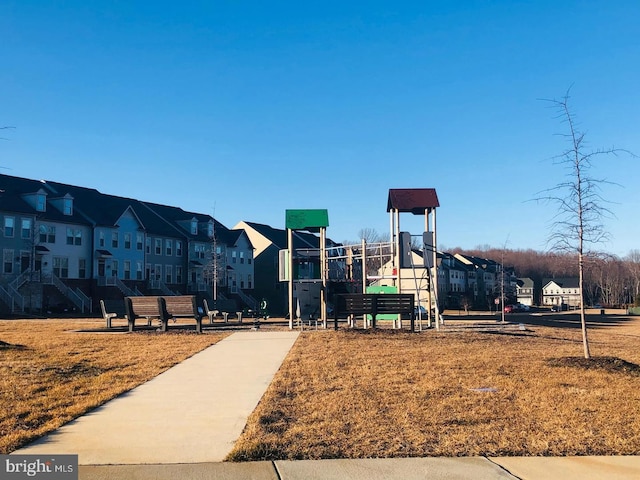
251,108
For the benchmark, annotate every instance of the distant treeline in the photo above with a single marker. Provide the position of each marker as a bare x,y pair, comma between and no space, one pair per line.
609,280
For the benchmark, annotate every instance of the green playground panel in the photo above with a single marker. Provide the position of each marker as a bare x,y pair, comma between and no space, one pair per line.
382,289
310,220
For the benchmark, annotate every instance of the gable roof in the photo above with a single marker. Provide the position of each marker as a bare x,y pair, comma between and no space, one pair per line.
525,282
564,282
12,196
412,200
278,237
91,207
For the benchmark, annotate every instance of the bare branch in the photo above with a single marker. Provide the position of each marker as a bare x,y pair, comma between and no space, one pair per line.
577,222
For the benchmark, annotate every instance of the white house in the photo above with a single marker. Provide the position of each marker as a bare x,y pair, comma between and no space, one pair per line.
561,291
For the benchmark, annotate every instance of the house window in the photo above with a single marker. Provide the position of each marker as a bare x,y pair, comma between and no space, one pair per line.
158,246
148,245
126,267
233,257
241,257
178,249
138,270
249,281
168,274
139,239
210,230
249,260
194,227
82,268
178,274
114,239
41,202
168,248
127,241
61,267
26,228
47,234
67,206
7,261
74,236
114,268
199,251
101,239
9,225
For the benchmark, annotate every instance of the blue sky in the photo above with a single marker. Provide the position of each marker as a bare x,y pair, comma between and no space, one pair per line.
246,109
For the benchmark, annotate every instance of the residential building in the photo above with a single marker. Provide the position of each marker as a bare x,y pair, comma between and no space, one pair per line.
561,291
66,247
525,291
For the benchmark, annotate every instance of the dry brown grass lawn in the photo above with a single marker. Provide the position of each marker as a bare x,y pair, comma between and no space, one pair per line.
355,394
50,375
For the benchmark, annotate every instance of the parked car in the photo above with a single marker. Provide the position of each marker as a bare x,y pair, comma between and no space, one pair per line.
523,308
420,311
508,308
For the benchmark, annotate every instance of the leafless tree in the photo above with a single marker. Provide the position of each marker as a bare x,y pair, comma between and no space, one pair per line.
633,264
581,208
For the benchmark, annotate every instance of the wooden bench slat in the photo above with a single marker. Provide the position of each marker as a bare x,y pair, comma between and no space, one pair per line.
374,304
163,308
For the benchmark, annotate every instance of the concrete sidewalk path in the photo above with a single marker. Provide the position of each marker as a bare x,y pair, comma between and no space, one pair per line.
192,413
432,468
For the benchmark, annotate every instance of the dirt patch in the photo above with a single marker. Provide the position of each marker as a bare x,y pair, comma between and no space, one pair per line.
607,364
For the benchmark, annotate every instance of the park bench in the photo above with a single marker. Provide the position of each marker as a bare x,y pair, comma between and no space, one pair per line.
112,309
162,308
211,313
374,304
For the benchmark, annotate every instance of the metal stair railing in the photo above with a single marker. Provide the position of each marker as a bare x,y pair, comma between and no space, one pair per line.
17,298
6,298
160,285
85,299
67,292
124,288
12,298
248,299
21,279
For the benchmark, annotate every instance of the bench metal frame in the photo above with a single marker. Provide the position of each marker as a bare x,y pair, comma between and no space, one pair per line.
374,304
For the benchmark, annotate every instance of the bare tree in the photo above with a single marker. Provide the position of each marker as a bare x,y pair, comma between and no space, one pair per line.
581,206
633,263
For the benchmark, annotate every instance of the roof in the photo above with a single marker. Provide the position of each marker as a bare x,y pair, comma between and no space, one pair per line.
278,237
93,208
565,282
525,282
14,189
412,200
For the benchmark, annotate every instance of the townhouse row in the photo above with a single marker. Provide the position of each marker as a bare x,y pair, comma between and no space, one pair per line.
65,247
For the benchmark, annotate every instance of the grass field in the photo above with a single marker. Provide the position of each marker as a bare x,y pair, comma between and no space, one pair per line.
355,393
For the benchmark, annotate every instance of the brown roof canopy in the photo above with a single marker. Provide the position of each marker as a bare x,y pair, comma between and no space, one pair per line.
412,200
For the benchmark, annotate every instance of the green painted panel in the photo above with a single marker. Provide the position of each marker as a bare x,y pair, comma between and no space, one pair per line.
311,220
383,289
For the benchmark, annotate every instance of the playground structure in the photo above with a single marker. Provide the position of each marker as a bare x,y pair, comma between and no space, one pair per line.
390,267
